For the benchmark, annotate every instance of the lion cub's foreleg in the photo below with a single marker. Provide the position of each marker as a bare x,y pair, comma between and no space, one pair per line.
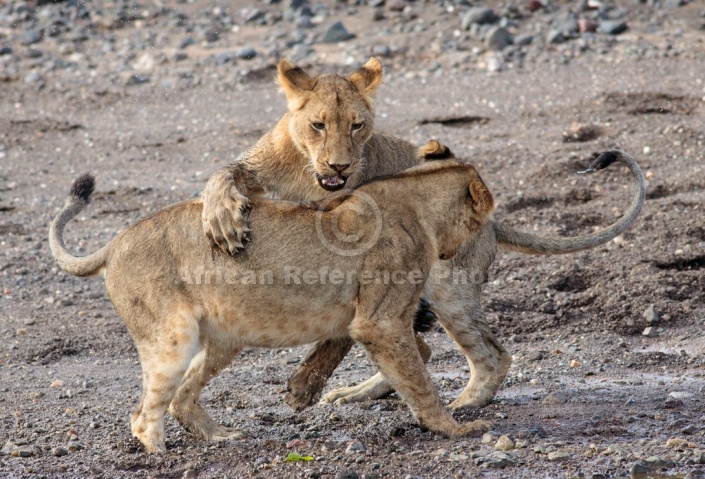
392,345
489,362
375,387
460,313
185,406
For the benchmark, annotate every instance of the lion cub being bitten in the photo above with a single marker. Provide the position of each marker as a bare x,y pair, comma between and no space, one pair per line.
185,331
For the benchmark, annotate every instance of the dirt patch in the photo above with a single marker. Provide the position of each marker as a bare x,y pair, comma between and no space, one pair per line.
54,350
647,103
466,121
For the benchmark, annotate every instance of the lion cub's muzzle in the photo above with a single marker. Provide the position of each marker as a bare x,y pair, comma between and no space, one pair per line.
336,174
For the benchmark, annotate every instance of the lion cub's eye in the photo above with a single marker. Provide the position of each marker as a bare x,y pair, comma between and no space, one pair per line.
318,125
357,126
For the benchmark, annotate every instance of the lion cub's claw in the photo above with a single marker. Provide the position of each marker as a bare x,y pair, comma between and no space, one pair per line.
225,223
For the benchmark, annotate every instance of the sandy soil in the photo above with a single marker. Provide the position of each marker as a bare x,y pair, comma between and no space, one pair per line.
587,394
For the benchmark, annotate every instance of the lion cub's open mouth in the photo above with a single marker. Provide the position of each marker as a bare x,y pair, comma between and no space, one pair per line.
331,183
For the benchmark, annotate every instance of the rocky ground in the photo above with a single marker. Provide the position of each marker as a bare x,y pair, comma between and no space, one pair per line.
609,345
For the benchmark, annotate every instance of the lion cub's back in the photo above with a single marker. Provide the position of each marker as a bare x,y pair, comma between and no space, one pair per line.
156,247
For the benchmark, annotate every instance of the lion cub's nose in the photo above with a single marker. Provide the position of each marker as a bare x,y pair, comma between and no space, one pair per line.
339,167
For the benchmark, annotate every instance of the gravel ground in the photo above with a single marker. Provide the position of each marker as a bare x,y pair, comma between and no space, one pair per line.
154,96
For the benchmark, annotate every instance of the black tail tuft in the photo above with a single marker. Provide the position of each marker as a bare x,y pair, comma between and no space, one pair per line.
604,160
83,187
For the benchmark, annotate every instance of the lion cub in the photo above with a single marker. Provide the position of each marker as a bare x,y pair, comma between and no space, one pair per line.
190,308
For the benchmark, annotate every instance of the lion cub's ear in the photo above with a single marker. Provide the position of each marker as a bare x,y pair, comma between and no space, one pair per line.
368,78
484,204
293,82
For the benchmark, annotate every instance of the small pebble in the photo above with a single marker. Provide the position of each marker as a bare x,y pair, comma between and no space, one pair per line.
680,395
523,39
639,471
498,38
478,15
650,314
377,14
397,5
554,398
650,332
32,77
347,474
612,27
59,451
25,451
355,447
555,36
558,456
585,25
455,457
246,53
534,5
504,444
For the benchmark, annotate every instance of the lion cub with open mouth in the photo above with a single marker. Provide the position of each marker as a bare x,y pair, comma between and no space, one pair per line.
190,308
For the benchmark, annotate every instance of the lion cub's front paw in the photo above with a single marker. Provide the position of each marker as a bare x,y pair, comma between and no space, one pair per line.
226,225
222,433
474,428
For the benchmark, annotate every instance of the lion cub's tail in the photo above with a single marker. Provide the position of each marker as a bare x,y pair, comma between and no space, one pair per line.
78,199
510,239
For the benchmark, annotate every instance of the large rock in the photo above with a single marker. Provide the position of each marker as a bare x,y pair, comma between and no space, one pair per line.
479,15
558,456
612,27
30,37
499,38
336,33
246,53
568,26
651,316
555,36
639,471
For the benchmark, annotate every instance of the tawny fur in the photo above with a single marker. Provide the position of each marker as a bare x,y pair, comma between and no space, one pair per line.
190,309
285,163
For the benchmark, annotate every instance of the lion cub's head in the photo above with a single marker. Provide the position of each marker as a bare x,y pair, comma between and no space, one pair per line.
331,118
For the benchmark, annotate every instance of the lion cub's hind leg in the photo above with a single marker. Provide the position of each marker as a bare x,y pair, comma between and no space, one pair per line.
164,360
393,348
185,406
